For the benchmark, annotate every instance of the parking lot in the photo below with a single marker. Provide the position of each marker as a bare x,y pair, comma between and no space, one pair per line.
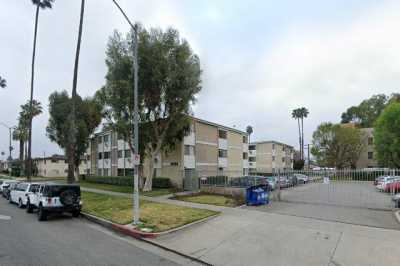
347,202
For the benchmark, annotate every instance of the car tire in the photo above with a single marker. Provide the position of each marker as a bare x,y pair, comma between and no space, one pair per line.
29,207
20,205
76,214
42,214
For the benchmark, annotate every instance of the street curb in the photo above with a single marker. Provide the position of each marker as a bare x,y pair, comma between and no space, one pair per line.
140,235
397,216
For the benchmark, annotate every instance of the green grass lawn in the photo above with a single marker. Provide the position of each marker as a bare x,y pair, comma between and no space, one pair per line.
126,189
158,216
218,200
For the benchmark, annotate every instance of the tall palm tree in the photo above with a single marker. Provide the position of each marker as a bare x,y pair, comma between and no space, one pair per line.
296,115
73,131
303,114
40,4
3,83
249,130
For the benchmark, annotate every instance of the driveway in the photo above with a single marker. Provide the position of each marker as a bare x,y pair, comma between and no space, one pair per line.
68,241
249,237
339,193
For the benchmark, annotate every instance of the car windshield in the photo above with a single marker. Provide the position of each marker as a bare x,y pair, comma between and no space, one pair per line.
55,191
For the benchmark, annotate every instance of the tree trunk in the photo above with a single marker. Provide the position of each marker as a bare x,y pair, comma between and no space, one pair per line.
302,139
73,130
148,185
298,123
29,161
21,150
76,174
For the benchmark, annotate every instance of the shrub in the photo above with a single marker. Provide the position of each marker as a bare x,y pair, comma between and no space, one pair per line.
161,182
158,182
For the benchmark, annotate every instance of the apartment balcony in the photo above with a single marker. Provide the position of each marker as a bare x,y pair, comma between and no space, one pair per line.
245,147
252,153
252,165
222,144
222,162
190,139
245,163
189,161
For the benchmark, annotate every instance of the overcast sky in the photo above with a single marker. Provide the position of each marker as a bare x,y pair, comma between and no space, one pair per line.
260,59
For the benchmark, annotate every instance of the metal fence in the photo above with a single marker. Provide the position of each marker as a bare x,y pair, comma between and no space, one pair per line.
367,188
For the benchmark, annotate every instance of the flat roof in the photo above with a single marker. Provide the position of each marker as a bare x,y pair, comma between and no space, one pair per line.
270,141
196,119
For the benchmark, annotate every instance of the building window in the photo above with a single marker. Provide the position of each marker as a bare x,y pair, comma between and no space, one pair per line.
99,172
252,159
127,153
120,171
100,155
54,160
273,158
370,155
370,141
174,164
245,156
222,153
189,150
120,154
222,134
107,155
129,172
283,159
252,147
120,136
106,138
99,140
273,146
283,148
65,170
245,139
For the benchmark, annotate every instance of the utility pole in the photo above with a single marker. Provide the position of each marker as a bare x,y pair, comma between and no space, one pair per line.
135,135
10,147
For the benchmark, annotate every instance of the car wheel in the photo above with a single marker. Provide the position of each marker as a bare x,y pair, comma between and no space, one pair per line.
76,214
29,207
42,214
397,203
20,205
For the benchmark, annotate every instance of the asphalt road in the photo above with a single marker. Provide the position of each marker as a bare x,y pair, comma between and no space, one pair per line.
70,241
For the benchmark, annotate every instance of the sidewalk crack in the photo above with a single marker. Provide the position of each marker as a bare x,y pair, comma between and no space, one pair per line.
331,261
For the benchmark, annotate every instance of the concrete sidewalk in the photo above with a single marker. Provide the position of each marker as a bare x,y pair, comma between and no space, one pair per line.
248,237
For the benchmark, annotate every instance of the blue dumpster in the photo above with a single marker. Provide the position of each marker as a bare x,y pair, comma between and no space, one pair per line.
256,195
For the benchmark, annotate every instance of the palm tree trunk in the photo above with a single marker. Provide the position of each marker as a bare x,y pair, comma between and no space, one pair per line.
29,163
298,123
21,150
302,139
71,153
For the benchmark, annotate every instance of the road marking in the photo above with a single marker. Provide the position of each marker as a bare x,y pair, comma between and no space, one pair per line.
6,218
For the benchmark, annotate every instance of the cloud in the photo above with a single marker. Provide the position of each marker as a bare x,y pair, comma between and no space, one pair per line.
324,67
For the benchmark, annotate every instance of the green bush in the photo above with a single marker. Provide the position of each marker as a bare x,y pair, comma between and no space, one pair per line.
161,182
158,182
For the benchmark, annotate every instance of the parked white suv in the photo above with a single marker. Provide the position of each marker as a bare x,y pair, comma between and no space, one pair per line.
20,193
55,198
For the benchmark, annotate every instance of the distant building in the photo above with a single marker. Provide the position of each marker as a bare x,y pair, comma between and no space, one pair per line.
270,156
209,149
368,155
55,166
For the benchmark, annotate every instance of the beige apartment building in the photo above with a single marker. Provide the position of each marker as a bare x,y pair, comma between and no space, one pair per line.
55,166
270,156
368,155
209,149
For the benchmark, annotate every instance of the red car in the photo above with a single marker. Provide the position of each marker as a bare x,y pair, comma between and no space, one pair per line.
394,186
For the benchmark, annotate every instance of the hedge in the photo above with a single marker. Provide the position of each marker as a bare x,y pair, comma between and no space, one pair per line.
158,182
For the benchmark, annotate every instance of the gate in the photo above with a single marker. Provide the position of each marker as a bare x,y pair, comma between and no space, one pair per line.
368,188
191,180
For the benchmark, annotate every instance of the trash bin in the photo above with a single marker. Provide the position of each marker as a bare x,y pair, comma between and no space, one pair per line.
257,195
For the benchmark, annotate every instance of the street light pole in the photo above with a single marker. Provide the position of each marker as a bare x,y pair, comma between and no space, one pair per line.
10,132
135,135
